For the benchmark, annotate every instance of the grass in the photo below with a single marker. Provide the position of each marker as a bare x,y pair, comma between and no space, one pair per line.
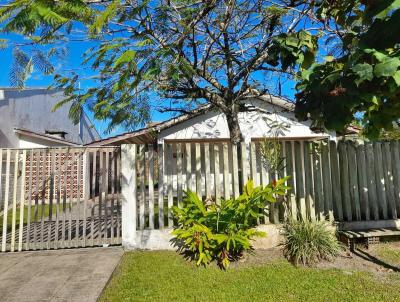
46,212
389,254
166,276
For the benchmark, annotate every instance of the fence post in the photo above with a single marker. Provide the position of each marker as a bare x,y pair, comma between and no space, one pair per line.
128,190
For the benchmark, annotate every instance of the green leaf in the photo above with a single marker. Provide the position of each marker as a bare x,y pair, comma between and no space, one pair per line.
387,68
386,8
126,57
144,42
396,77
329,58
292,41
364,71
104,17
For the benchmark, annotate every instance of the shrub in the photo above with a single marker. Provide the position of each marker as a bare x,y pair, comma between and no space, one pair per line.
308,242
222,232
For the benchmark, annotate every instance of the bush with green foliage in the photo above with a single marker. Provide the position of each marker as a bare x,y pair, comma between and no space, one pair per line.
221,232
308,242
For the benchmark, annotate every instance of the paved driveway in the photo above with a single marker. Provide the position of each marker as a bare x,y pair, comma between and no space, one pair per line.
61,275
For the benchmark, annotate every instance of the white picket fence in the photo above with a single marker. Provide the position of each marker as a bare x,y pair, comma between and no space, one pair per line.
60,197
343,181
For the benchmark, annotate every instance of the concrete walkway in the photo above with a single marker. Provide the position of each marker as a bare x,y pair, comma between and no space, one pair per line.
61,275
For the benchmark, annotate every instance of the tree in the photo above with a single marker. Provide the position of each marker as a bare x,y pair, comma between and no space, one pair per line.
364,78
192,52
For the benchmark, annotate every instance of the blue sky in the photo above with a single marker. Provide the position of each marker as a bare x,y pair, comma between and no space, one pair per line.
73,61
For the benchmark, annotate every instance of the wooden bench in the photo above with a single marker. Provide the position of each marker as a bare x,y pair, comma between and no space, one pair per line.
367,237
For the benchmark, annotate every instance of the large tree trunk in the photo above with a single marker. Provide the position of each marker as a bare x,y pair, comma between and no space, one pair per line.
234,127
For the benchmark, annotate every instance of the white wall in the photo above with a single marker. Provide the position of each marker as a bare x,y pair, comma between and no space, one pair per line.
254,124
32,109
32,143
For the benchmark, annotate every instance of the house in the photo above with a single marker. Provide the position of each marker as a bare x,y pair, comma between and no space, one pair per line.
263,117
27,120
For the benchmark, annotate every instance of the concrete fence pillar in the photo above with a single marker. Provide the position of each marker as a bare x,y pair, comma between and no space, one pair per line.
128,191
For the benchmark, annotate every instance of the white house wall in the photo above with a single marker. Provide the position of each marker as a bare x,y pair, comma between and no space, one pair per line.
33,143
253,124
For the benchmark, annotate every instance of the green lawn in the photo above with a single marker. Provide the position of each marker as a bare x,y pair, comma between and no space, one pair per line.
46,210
389,254
166,276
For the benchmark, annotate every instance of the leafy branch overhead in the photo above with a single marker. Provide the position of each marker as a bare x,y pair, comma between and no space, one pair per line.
365,78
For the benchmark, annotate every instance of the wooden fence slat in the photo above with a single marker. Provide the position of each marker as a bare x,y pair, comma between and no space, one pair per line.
22,201
235,170
291,182
63,160
112,199
101,200
264,173
217,176
14,204
326,180
335,180
51,196
189,182
207,170
161,171
106,187
58,165
151,187
6,196
253,164
345,180
94,182
309,180
265,179
142,169
245,163
78,196
28,219
135,170
280,205
71,173
198,170
300,186
117,191
169,158
353,184
227,187
363,185
394,146
318,183
380,181
45,172
389,184
36,208
179,167
371,180
86,193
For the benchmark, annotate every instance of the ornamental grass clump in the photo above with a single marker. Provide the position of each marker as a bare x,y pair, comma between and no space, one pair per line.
308,242
223,231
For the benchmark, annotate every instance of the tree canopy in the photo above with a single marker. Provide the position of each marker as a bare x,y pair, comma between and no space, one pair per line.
217,52
364,78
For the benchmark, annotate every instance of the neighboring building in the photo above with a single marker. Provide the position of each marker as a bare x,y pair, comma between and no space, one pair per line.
27,120
264,117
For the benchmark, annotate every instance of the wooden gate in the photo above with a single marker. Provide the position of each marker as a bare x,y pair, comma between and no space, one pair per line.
59,198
